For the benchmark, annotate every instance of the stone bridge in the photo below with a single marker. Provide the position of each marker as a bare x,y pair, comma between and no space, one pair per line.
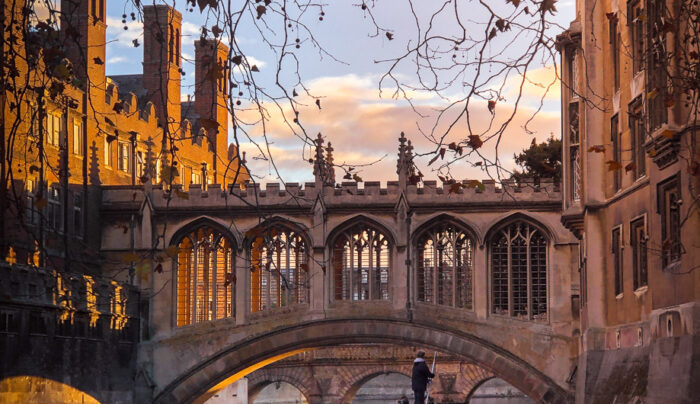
335,375
243,277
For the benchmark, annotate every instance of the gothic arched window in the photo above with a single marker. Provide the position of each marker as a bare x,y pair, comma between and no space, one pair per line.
205,274
519,272
361,262
278,268
444,266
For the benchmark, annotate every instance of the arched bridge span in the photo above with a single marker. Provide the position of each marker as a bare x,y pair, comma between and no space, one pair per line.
200,377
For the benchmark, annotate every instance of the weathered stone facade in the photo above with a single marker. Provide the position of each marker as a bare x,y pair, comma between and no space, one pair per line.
630,194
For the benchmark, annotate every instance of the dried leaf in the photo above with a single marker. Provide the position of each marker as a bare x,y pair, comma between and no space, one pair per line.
260,10
158,269
389,36
629,167
237,59
357,178
613,165
442,153
229,278
182,194
208,124
668,134
98,61
475,141
492,106
599,148
130,257
172,251
476,184
254,68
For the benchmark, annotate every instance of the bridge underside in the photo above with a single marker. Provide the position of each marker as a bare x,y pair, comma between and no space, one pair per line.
201,381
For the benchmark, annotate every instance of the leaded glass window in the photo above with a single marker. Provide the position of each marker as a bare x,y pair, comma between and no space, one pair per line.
361,262
444,266
204,277
278,268
519,272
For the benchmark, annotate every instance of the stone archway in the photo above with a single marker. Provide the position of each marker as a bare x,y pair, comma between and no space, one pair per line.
203,379
303,381
357,381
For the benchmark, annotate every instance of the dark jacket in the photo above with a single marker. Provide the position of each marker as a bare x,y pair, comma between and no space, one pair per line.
420,375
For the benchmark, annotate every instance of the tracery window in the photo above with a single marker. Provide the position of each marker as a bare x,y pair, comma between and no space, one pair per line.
204,277
519,272
444,266
279,270
361,262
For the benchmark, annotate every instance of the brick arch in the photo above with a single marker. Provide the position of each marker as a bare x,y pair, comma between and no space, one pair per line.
262,378
356,381
202,379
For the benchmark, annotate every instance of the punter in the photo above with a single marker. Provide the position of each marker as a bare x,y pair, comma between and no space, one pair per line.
419,377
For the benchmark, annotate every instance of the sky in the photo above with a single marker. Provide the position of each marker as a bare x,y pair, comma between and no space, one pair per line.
362,124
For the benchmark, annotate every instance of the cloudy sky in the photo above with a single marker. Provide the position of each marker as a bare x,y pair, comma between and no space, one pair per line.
362,124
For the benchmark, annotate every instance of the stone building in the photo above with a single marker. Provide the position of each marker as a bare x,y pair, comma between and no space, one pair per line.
144,291
630,194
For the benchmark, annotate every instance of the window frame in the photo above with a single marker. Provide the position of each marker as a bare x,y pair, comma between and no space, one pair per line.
533,230
345,291
640,259
108,153
666,210
616,139
78,137
186,307
456,233
617,251
614,41
124,157
636,27
638,136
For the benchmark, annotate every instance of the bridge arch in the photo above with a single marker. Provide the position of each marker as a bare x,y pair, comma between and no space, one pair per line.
200,380
264,378
356,382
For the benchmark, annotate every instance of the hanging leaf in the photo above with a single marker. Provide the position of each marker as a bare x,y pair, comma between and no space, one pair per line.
475,141
182,194
452,146
318,103
158,269
172,251
629,167
492,34
357,178
668,134
208,124
613,165
216,31
476,184
260,10
442,153
254,68
237,59
432,160
492,106
40,203
129,257
98,61
229,278
389,36
516,3
599,148
294,92
136,43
